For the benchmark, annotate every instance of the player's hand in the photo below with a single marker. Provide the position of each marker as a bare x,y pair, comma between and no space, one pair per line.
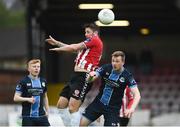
31,100
52,41
128,113
91,76
47,113
92,73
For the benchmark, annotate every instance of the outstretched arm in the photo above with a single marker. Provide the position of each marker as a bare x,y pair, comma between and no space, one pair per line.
70,48
65,47
54,42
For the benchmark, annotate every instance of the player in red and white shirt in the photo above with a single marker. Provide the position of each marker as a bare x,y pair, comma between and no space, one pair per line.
127,102
89,55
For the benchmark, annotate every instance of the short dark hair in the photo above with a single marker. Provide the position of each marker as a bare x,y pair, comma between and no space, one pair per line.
119,53
93,26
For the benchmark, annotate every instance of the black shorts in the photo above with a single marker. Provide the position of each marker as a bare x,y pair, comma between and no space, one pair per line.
35,121
96,109
124,121
77,87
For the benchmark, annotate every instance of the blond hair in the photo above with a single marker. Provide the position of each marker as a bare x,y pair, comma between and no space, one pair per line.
33,61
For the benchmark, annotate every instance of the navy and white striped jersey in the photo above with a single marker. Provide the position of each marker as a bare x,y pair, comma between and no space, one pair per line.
29,87
113,85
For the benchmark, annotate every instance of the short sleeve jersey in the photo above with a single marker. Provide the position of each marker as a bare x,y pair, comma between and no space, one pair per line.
28,87
113,85
89,57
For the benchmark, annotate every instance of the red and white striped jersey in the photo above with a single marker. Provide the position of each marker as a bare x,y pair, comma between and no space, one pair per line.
89,58
126,101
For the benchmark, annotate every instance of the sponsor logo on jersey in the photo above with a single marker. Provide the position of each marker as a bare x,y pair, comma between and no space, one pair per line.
35,92
111,83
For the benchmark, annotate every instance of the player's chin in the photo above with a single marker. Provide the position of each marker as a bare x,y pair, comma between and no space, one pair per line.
115,68
36,73
88,36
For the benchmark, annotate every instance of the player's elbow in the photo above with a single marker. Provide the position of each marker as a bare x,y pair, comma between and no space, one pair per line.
139,97
71,48
74,49
15,99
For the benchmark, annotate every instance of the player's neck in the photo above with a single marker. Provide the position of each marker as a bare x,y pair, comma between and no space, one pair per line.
119,70
33,76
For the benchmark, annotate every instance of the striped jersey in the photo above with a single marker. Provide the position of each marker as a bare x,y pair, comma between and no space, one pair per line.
89,57
29,87
113,85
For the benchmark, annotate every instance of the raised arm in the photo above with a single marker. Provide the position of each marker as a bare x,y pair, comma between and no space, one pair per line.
70,48
54,42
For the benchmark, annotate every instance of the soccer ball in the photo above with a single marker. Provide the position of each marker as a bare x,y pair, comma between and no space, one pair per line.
106,16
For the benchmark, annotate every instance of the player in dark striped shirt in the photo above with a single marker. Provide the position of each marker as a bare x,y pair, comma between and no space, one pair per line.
31,91
114,78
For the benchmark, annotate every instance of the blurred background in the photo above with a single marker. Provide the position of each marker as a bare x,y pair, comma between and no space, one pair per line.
150,38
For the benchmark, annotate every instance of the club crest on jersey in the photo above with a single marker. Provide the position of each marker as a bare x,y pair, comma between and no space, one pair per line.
43,84
28,84
122,79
